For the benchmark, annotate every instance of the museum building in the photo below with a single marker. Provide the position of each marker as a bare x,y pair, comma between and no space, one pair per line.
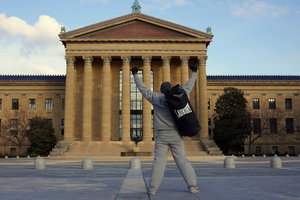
96,109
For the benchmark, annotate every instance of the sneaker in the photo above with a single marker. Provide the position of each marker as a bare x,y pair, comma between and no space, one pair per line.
151,193
194,189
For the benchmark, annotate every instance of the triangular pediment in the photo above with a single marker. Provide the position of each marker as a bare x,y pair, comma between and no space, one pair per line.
135,26
135,29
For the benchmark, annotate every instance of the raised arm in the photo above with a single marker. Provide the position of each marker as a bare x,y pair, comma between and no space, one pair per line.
191,82
146,92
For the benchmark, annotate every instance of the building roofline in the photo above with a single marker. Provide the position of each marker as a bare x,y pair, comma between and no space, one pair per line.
210,78
253,77
135,15
38,78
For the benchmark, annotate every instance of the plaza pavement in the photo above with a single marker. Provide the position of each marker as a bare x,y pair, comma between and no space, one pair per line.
64,179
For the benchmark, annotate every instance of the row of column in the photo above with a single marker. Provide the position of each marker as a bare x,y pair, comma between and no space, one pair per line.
107,95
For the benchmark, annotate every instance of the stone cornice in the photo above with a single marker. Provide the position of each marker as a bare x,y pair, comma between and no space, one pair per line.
295,84
163,40
33,84
254,78
135,16
133,50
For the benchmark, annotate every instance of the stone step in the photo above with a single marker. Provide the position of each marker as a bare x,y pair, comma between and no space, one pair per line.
60,148
198,153
211,147
193,148
115,148
217,153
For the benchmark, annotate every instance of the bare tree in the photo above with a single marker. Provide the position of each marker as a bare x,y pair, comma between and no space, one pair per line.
14,127
297,121
265,116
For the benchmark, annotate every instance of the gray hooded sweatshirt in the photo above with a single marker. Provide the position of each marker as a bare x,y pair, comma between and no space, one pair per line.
162,115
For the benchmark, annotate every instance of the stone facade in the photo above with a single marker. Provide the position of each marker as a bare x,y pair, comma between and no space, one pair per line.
33,96
100,55
278,87
97,116
285,90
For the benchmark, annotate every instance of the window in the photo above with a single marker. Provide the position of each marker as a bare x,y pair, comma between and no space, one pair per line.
14,126
15,104
288,104
275,150
62,127
255,103
12,150
289,125
32,104
136,107
258,150
48,104
272,103
136,125
291,150
0,104
273,126
50,121
257,125
63,104
208,103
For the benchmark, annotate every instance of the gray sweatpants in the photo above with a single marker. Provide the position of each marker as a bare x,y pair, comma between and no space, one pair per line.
164,141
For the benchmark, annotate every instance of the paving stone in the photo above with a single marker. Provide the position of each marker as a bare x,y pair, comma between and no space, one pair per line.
135,163
251,179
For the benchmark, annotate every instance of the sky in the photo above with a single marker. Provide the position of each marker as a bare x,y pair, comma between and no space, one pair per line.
251,37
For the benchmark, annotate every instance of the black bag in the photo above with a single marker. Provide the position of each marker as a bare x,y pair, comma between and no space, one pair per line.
182,111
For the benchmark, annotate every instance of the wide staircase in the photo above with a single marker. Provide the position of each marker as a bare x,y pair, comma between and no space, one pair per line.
193,147
98,148
211,148
60,148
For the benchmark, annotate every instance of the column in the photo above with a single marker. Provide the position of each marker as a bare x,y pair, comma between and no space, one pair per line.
70,100
184,69
203,111
146,105
166,68
126,99
106,99
87,99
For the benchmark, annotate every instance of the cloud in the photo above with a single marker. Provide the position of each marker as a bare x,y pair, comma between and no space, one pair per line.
40,69
24,47
252,9
43,32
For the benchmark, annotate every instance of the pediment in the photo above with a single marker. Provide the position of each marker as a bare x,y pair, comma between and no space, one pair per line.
135,26
135,29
